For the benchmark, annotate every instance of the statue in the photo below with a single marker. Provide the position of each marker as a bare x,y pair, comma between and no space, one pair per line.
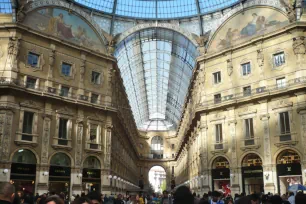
202,41
82,70
229,67
260,58
111,42
299,45
289,5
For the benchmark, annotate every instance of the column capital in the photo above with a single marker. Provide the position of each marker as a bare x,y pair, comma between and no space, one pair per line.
265,116
301,110
233,121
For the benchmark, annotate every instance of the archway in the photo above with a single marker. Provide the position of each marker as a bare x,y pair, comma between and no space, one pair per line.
91,179
220,174
157,179
289,170
23,171
60,173
252,174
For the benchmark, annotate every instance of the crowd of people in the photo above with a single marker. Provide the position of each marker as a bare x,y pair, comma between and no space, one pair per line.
182,195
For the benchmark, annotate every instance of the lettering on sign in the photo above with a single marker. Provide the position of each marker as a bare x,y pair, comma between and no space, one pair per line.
289,168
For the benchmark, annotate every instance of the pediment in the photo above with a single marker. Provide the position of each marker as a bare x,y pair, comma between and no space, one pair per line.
30,104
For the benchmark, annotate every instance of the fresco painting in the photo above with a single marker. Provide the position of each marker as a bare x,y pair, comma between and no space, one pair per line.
65,25
244,26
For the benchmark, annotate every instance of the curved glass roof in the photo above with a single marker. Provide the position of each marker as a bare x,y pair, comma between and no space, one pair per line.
156,65
161,9
5,6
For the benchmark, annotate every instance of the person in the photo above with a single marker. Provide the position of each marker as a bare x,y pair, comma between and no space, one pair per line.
250,199
94,197
300,198
196,200
291,198
183,196
119,200
54,199
82,200
215,198
7,193
166,199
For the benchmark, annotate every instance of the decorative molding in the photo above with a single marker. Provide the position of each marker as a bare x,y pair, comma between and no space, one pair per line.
65,111
30,104
41,60
246,111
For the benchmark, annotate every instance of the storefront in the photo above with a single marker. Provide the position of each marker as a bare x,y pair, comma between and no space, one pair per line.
252,174
288,170
220,175
91,179
23,171
59,174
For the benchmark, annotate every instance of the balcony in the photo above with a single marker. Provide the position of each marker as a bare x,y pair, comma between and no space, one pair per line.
249,143
61,143
157,157
286,139
93,146
26,139
219,147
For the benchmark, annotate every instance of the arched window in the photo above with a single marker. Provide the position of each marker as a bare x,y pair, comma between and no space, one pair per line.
157,147
24,156
92,163
251,160
220,162
60,159
288,157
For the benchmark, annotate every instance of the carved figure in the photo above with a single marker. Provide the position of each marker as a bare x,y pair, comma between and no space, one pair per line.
299,46
82,70
111,42
289,5
51,57
202,40
10,47
260,58
229,67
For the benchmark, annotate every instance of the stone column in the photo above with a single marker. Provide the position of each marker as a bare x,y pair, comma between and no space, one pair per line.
105,181
302,113
49,82
204,154
6,120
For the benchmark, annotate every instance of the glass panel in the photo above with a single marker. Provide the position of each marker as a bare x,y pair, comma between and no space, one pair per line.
62,131
66,69
64,91
94,98
279,59
24,156
33,59
5,6
27,126
92,163
95,77
60,159
30,83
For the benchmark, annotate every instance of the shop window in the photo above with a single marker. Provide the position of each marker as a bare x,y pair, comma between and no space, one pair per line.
217,77
281,82
249,131
33,59
218,136
217,98
30,83
279,59
64,91
251,160
246,69
288,157
93,137
220,162
24,156
94,98
66,69
27,126
247,91
63,131
60,159
92,163
284,123
95,77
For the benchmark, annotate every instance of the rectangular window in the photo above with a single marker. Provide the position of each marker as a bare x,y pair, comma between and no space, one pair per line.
95,77
246,69
63,131
249,130
27,126
217,77
172,146
33,59
31,83
284,126
64,91
94,98
66,69
279,59
281,82
172,170
247,91
217,98
218,137
93,136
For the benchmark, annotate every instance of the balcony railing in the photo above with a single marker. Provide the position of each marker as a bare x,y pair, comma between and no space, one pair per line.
61,143
250,143
52,91
290,84
25,138
286,138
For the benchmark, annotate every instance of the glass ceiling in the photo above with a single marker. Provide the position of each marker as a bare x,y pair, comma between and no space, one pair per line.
161,9
156,65
5,6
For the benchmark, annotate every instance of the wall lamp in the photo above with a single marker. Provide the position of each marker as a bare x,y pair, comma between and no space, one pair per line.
45,173
115,177
110,176
267,175
79,175
232,175
5,171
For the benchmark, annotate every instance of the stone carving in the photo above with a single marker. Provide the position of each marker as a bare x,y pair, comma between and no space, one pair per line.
51,62
21,14
6,132
45,140
111,42
229,67
260,58
289,5
202,40
78,154
299,45
82,70
2,118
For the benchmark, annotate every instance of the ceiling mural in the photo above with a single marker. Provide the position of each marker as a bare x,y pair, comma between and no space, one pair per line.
247,25
64,25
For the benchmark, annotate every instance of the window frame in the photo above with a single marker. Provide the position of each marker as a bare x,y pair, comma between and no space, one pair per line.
218,133
217,99
274,56
283,83
247,91
30,52
99,77
248,71
217,78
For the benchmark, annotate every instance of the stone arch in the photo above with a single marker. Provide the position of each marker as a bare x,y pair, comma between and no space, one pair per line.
245,154
70,7
232,14
100,162
26,148
165,170
212,160
168,26
279,151
54,153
